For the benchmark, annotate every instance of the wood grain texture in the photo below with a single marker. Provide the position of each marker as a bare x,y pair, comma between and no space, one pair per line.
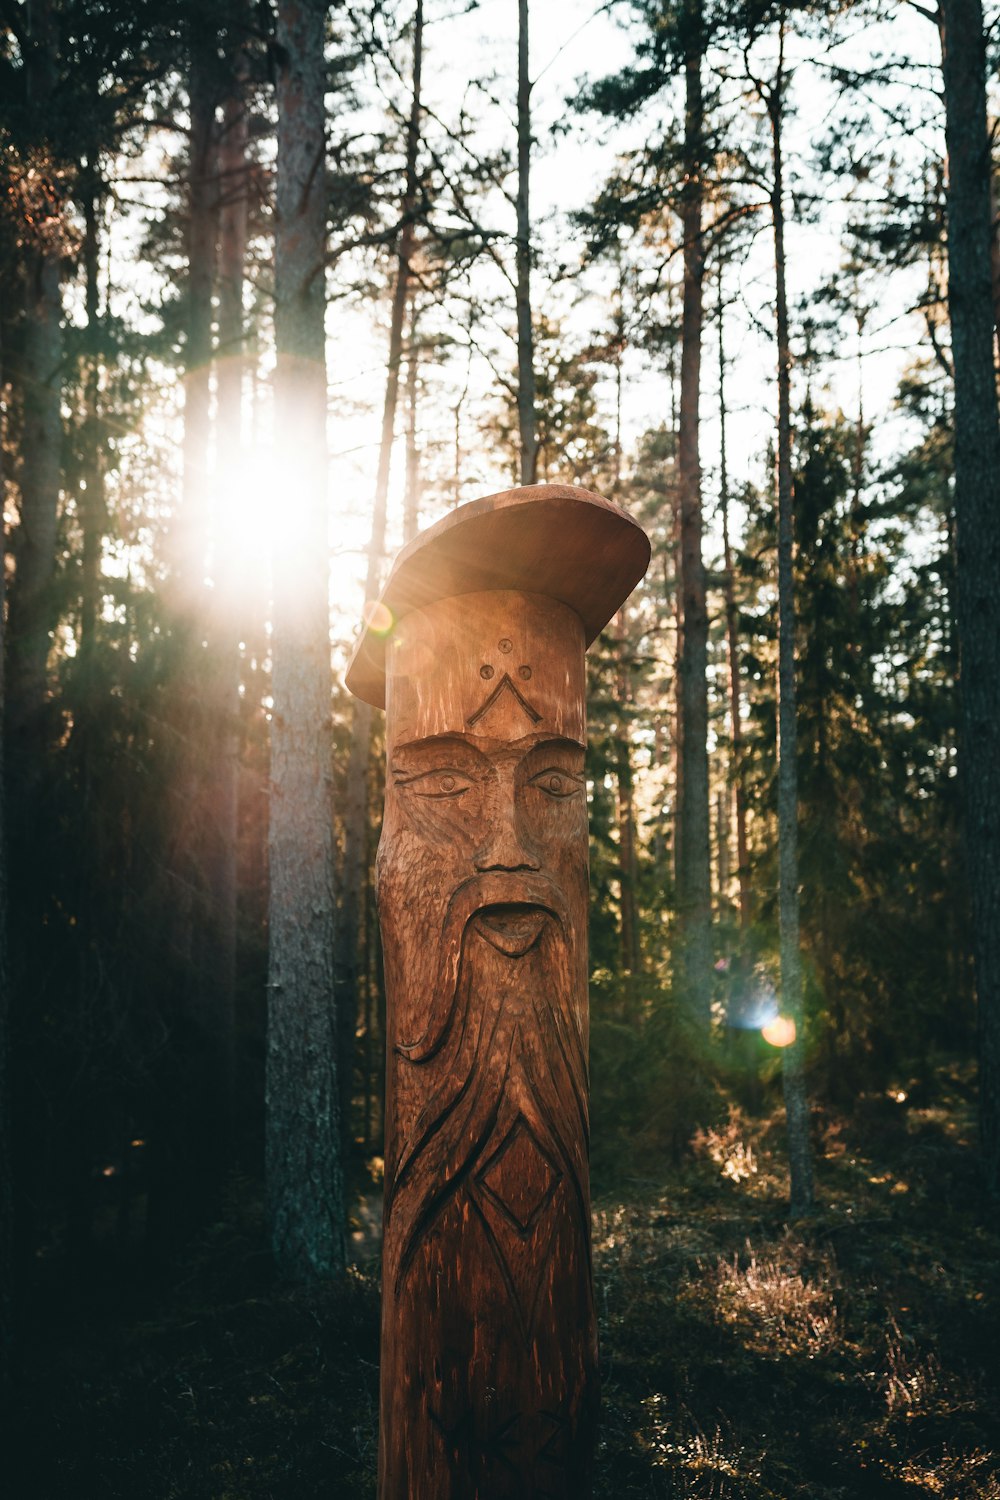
489,1380
565,543
489,1356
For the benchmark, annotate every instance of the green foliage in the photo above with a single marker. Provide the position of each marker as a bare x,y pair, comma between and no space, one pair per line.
878,843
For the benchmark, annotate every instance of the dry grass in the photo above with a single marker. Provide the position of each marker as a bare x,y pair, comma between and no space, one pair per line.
853,1357
781,1298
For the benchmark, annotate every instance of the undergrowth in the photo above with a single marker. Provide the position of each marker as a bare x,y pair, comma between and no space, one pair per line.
849,1356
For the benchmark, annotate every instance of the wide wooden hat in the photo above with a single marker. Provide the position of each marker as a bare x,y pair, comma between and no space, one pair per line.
552,539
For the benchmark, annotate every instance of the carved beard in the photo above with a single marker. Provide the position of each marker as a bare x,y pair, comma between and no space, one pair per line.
487,1214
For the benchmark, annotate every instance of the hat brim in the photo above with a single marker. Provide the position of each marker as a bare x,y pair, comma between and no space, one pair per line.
551,539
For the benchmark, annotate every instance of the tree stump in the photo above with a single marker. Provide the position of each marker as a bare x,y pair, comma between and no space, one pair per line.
489,1351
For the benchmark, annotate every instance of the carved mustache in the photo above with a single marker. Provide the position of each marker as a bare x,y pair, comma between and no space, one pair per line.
479,892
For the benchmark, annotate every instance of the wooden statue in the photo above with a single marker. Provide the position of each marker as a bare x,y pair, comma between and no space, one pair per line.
489,1349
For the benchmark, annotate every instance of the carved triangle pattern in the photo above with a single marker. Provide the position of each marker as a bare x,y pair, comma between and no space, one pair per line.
505,685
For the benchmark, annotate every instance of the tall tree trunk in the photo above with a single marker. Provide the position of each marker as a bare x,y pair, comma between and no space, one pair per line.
722,835
694,894
995,252
627,860
7,1300
186,1140
411,497
631,952
456,412
792,1057
977,515
189,532
202,230
356,801
672,595
525,334
732,643
92,501
24,628
30,607
304,1172
221,831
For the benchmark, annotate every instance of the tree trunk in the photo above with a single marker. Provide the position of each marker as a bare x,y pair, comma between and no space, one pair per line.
411,498
672,599
995,252
694,895
221,832
792,1057
304,1173
24,626
356,802
732,643
722,833
30,606
977,512
627,861
91,502
7,1300
188,1144
189,536
525,334
457,409
202,229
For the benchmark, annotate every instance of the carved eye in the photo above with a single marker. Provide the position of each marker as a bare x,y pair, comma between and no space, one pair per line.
443,783
555,783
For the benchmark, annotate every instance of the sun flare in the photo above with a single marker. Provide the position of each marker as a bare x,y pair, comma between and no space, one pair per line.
780,1032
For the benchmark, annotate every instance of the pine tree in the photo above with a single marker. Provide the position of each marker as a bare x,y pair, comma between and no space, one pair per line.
304,1171
356,796
977,514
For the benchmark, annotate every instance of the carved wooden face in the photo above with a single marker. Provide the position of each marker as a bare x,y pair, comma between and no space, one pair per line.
486,810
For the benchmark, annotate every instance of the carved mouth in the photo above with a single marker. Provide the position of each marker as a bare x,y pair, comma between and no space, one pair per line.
512,928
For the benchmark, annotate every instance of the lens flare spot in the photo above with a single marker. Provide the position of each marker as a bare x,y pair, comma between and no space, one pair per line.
780,1032
378,617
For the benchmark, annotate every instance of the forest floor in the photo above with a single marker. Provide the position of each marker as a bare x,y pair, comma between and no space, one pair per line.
854,1355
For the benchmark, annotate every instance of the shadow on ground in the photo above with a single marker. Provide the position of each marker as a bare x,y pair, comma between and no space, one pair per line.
849,1357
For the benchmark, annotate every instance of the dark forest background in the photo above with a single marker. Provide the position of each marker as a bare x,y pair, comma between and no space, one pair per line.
794,767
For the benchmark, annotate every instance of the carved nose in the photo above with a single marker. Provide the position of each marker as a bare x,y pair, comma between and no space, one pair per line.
505,851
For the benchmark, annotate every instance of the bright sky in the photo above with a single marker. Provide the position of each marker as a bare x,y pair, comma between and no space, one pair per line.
574,40
472,57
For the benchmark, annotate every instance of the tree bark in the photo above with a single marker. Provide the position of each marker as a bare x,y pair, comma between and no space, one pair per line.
732,643
694,895
627,862
411,498
202,228
792,1057
30,608
188,551
356,801
995,253
977,515
189,1141
304,1173
221,832
91,502
7,1301
25,623
631,949
525,334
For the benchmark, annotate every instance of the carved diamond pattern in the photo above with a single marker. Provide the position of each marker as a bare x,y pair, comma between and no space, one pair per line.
520,1177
